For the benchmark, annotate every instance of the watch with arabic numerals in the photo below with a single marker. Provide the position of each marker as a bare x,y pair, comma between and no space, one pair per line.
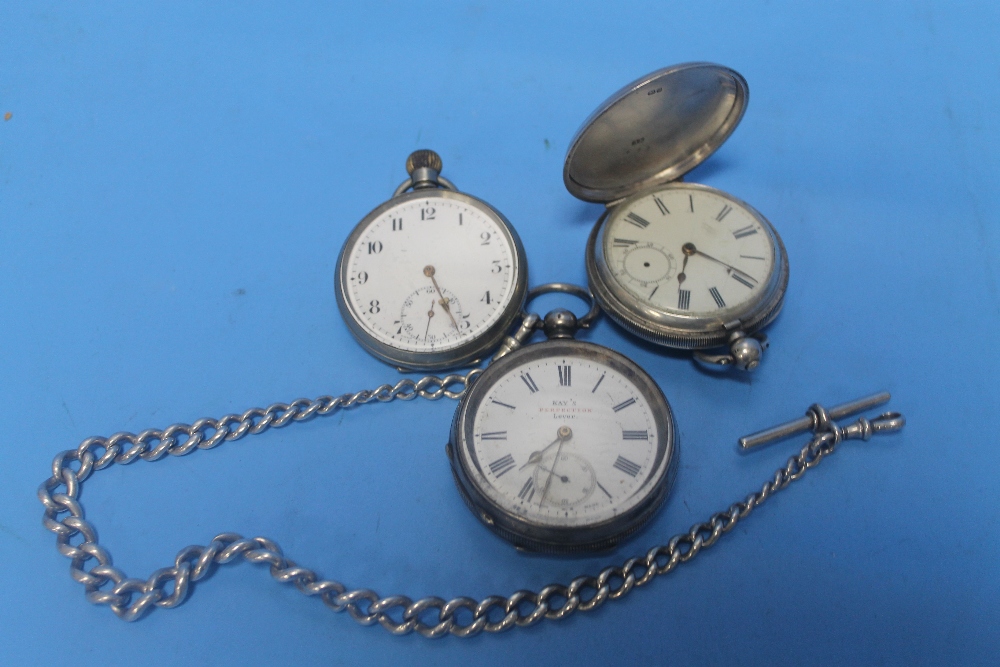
433,278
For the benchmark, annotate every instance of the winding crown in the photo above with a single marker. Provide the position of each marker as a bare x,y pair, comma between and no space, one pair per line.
421,159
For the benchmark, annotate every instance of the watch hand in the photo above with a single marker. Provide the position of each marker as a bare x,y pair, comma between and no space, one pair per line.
444,306
429,272
689,249
564,433
537,456
562,478
681,277
562,440
430,314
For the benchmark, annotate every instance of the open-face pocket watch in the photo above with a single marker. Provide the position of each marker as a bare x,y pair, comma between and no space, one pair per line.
679,264
432,278
564,445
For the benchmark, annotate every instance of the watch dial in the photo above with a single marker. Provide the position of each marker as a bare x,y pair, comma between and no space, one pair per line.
430,274
688,250
567,441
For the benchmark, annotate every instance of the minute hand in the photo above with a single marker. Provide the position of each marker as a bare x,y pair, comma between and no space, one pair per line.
429,272
728,266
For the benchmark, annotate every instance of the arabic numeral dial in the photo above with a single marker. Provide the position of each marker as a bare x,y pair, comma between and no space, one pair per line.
430,274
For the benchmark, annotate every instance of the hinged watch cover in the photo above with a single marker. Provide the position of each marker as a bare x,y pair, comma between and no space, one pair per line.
654,130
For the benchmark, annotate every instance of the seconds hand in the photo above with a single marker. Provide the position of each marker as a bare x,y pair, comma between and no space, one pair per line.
430,314
562,478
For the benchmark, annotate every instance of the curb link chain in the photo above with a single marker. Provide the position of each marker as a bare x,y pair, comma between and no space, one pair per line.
130,599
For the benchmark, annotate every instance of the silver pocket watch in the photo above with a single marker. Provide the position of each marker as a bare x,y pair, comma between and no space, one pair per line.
564,445
679,264
433,278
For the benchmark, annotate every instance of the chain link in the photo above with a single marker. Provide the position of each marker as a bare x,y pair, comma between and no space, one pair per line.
130,599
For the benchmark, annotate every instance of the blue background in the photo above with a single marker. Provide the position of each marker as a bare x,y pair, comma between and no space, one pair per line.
176,182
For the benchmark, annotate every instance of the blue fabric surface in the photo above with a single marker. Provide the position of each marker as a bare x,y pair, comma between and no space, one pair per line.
176,182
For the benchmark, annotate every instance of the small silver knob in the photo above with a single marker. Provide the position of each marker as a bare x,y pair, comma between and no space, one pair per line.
746,353
560,323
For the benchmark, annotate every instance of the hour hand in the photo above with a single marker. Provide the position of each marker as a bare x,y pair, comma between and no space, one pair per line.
534,458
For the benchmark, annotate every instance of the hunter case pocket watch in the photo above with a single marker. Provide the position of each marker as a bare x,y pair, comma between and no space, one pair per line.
563,446
432,278
679,264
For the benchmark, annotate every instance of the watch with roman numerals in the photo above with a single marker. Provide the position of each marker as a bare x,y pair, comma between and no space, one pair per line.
679,264
564,445
433,278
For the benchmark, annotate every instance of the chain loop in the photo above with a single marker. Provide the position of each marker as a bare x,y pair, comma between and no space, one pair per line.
131,599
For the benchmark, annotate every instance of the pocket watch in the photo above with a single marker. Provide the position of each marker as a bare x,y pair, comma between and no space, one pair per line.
433,278
565,445
679,264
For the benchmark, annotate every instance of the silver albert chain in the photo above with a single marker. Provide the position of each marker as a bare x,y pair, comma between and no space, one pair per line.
130,599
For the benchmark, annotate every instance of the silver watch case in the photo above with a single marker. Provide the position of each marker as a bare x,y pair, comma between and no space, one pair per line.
689,332
529,535
644,138
469,352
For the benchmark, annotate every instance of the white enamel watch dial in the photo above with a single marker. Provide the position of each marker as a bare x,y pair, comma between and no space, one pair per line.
431,279
429,274
564,446
688,266
689,251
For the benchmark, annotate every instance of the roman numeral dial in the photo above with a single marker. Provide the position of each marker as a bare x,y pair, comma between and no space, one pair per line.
686,250
564,440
